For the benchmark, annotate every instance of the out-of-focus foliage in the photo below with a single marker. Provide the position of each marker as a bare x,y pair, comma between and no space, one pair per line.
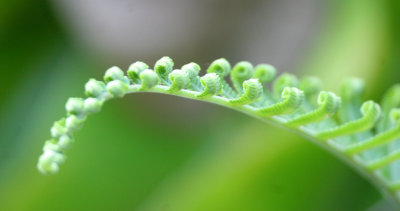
181,155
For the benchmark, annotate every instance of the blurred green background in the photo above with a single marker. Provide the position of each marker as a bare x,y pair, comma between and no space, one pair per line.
153,152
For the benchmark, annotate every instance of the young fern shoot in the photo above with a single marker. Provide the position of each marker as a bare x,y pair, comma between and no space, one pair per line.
342,125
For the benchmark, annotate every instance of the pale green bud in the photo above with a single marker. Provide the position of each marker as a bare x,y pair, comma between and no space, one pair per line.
149,79
48,162
58,129
114,73
64,142
51,145
74,105
135,69
94,88
92,105
73,123
117,88
192,70
221,67
164,66
264,72
212,85
47,168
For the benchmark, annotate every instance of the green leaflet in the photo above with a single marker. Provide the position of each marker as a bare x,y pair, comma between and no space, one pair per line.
290,103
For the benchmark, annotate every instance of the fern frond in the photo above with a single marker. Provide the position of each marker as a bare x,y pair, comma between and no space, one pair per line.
342,125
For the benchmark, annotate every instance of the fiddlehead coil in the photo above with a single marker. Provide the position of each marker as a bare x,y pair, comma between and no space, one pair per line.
192,70
149,79
283,81
94,88
252,92
370,111
114,73
311,86
241,72
163,67
328,102
117,88
92,105
74,105
212,85
221,67
291,100
180,79
264,72
134,71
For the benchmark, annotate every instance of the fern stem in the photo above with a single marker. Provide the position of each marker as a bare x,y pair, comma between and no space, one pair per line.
386,160
329,103
371,113
377,140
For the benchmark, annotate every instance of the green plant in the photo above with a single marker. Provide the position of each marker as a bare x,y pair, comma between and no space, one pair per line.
366,140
